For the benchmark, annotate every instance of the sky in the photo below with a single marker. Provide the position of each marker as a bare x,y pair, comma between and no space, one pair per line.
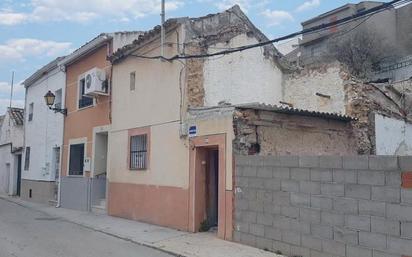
34,32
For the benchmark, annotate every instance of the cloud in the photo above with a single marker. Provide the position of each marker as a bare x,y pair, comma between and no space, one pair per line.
18,50
5,88
277,17
245,5
5,103
83,11
307,5
11,18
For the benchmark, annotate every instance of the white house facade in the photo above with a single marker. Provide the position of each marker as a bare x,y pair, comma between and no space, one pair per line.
11,145
43,133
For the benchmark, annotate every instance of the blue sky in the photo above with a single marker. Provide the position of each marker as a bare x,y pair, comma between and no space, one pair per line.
33,32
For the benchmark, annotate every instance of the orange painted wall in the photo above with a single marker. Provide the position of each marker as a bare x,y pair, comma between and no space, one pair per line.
161,205
80,123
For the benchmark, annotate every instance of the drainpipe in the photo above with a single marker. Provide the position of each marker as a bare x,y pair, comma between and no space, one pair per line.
62,145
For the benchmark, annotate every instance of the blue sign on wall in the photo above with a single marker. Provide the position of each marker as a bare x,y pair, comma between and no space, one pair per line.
192,131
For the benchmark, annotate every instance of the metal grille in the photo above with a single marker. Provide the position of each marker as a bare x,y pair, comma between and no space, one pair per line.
138,152
85,101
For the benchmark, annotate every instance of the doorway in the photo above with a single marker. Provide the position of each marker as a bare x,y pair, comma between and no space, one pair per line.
212,186
210,203
207,187
100,154
18,175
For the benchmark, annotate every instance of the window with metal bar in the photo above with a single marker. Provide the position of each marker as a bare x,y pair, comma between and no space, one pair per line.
138,152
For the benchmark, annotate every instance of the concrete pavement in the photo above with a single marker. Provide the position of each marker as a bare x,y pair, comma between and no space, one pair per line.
26,232
167,240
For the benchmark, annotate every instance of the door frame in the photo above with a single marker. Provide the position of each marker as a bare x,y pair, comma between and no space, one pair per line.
224,206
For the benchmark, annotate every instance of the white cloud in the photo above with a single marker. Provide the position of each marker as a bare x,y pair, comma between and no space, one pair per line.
277,17
18,50
307,5
5,88
5,103
84,11
245,5
11,18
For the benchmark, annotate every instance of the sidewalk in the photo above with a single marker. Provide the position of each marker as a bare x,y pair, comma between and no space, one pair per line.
168,240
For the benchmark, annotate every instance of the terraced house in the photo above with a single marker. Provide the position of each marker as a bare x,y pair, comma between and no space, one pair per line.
174,121
87,121
43,133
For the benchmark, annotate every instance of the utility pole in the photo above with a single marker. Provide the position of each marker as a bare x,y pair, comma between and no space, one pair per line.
11,95
11,90
162,33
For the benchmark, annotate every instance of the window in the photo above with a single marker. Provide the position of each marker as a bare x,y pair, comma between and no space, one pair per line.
138,152
76,162
27,158
84,100
132,81
31,109
58,99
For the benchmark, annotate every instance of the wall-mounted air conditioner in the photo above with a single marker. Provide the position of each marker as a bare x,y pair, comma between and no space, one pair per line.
95,82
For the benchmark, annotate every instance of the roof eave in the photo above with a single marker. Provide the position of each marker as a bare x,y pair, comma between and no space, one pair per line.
85,50
41,72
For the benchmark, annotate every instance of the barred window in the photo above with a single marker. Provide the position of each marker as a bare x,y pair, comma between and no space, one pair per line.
138,152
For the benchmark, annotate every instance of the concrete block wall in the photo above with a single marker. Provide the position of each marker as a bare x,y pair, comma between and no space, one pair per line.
325,206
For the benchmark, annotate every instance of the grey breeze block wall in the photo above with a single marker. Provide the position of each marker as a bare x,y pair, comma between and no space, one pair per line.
324,206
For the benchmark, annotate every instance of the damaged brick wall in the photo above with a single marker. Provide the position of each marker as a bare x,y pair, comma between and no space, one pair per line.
364,100
349,96
213,33
268,133
194,77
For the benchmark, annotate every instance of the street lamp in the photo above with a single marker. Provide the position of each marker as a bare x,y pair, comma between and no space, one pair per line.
49,98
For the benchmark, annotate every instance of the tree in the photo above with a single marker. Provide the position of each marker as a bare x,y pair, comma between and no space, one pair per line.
360,50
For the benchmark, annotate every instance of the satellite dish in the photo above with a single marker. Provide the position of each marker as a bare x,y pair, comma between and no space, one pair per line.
88,81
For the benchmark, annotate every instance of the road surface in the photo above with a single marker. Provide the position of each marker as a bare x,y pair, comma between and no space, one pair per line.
28,233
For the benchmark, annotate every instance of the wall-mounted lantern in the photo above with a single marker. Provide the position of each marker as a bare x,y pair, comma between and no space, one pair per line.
49,98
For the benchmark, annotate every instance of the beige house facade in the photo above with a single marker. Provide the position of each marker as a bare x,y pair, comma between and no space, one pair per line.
171,142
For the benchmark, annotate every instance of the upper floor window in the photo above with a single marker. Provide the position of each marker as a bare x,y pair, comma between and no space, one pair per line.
31,109
84,100
132,81
58,100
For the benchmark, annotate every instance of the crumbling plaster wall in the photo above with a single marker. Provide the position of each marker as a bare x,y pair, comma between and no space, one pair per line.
268,133
393,137
365,100
253,75
241,77
351,97
301,87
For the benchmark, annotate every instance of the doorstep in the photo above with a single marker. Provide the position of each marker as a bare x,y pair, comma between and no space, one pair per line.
172,241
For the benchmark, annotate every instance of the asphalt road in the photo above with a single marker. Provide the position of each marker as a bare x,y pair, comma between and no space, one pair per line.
28,233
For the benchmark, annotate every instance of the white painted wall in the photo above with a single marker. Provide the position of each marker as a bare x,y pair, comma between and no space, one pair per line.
45,131
393,137
300,89
9,134
242,77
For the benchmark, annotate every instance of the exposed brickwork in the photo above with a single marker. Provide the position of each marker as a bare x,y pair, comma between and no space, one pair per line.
324,206
407,180
270,133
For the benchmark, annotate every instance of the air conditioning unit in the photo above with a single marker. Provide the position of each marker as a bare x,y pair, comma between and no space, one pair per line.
95,82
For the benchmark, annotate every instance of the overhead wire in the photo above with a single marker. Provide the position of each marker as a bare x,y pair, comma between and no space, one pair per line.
315,29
